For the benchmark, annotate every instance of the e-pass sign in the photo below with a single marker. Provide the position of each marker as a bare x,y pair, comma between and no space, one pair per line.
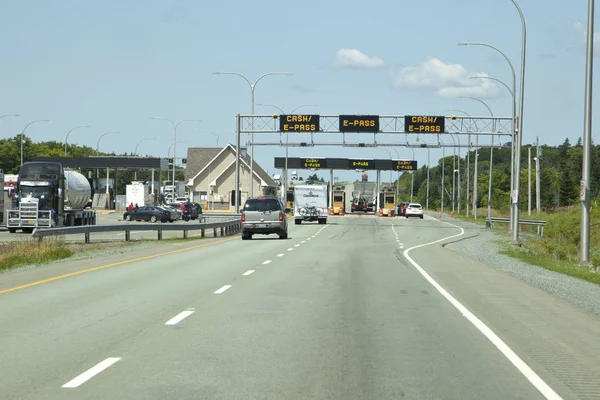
424,124
299,123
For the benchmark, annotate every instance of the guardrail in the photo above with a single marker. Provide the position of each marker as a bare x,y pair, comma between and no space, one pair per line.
225,228
489,223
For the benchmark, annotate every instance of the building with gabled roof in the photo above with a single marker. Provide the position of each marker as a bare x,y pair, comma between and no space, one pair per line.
210,174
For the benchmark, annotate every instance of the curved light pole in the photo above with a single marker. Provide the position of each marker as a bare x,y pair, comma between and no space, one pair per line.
412,178
468,155
216,135
398,179
9,115
135,153
476,184
512,95
587,140
68,133
100,138
287,136
513,124
443,170
23,134
168,156
252,87
520,127
175,125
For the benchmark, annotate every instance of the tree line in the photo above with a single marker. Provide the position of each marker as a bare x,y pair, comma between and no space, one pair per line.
10,158
560,174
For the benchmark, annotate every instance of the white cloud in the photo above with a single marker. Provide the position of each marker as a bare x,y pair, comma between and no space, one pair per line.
445,80
354,59
581,30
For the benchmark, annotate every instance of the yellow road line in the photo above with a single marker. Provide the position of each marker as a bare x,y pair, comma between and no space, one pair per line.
55,278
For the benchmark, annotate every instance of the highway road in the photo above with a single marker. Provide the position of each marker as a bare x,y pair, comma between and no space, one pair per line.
361,308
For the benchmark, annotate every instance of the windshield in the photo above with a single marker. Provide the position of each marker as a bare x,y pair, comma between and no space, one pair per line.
41,171
262,205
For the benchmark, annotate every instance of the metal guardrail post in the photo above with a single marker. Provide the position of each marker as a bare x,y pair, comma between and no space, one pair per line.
215,232
222,232
202,233
127,236
86,238
185,234
159,235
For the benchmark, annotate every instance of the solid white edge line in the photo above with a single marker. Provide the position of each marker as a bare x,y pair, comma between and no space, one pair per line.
267,262
249,272
221,290
90,373
523,368
179,317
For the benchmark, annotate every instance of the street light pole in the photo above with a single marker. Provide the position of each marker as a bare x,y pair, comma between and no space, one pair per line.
135,153
68,133
252,87
175,125
9,115
23,134
287,137
587,140
513,123
468,159
520,127
428,166
100,138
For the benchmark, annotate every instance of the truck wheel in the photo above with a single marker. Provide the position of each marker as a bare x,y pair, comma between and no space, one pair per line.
297,221
11,230
153,218
283,235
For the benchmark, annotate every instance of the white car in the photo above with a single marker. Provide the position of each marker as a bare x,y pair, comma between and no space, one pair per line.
414,210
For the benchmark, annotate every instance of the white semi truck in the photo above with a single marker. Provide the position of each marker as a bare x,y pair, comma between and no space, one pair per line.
311,203
49,196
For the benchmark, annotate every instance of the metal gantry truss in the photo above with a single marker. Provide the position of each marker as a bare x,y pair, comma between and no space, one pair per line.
389,126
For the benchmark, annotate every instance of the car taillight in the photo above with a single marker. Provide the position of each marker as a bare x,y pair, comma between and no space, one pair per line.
280,216
243,217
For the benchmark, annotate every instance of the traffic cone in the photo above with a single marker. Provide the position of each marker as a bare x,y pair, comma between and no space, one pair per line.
450,214
439,215
381,212
341,210
331,211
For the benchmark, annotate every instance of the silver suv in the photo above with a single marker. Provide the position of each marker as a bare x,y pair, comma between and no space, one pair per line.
264,216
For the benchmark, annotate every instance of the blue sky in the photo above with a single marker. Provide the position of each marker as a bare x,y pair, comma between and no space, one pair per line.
114,64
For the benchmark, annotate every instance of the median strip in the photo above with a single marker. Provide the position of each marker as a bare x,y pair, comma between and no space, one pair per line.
90,373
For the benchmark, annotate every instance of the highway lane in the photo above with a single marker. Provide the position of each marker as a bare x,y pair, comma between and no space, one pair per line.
335,312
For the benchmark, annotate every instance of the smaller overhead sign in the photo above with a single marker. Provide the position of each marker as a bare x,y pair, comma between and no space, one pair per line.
424,124
404,165
359,123
315,163
299,123
360,164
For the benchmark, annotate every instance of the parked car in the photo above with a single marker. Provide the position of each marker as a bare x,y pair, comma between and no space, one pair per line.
174,215
147,213
414,210
264,216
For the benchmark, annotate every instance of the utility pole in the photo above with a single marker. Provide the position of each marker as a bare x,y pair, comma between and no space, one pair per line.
529,180
537,176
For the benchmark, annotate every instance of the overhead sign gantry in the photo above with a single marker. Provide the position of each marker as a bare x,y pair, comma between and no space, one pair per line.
346,164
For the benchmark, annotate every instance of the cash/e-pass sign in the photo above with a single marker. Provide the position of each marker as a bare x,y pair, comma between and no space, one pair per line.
360,164
404,165
316,163
299,123
359,123
424,124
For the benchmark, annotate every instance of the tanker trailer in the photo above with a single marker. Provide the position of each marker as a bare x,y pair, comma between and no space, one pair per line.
48,196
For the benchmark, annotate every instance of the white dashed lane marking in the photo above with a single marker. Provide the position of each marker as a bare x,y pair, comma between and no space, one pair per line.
221,290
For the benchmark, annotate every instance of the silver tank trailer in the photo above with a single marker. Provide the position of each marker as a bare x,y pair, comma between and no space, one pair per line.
77,191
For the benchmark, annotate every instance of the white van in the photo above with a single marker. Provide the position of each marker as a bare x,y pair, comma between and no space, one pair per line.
310,203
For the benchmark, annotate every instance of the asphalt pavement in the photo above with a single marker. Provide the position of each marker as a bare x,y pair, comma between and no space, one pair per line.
361,308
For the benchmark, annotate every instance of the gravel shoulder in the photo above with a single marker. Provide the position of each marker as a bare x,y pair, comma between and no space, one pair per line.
481,244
